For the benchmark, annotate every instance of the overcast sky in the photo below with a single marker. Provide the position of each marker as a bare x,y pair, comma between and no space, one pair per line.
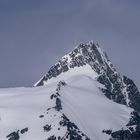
34,34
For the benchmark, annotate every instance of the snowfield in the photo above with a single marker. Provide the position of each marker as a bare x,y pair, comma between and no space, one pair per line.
82,102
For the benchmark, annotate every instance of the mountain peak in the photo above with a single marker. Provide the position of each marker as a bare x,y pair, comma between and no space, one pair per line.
83,54
90,54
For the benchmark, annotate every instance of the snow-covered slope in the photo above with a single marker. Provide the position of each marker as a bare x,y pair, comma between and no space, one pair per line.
82,97
82,103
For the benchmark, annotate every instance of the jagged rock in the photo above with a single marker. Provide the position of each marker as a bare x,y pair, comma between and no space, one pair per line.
47,127
109,132
41,116
23,130
52,138
58,106
73,132
126,134
133,93
13,136
16,134
53,96
135,119
121,135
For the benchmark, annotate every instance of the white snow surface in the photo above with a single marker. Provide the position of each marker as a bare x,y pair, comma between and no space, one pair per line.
82,102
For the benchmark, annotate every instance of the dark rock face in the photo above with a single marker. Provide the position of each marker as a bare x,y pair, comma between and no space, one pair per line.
133,93
114,87
47,127
58,106
52,138
16,134
109,132
58,102
134,120
41,116
23,130
129,134
13,136
73,132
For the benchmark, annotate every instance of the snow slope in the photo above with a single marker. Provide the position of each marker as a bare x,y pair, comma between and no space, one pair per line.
82,102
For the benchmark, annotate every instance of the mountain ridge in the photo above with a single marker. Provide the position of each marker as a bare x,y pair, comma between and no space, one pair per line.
91,54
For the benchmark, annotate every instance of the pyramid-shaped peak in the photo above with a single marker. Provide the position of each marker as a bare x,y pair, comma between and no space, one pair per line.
85,49
88,45
83,54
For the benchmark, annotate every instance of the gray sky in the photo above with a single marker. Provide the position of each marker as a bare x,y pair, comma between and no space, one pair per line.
34,34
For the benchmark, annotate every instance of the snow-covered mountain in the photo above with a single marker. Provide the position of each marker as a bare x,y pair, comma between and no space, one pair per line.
117,88
82,97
